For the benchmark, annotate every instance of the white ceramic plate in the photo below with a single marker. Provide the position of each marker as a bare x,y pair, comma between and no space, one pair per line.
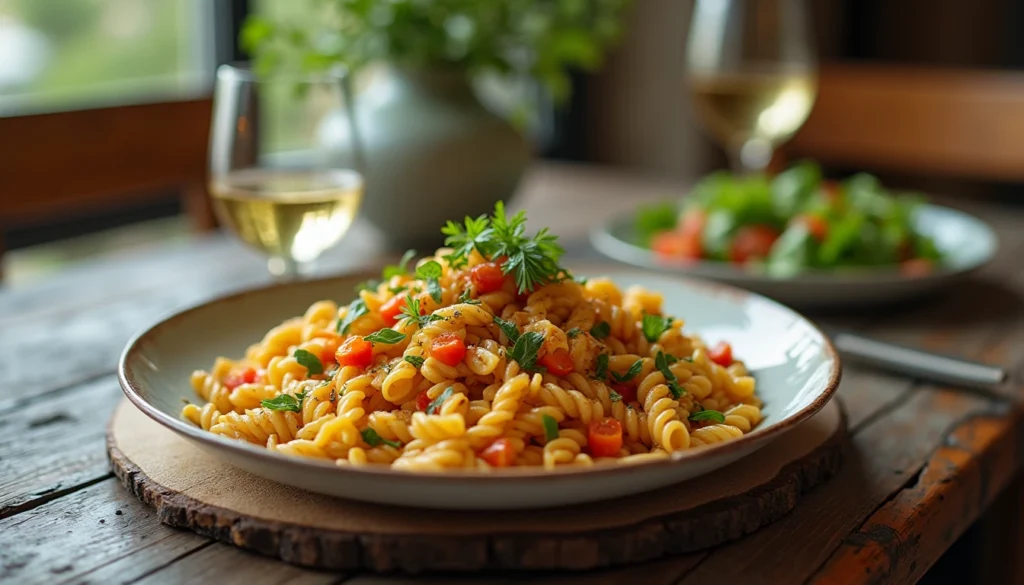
966,242
796,368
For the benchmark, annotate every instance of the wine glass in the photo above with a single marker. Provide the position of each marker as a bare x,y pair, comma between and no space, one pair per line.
752,74
285,163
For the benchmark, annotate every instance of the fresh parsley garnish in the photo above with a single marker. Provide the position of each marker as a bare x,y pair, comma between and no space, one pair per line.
310,361
631,373
430,272
508,328
285,402
436,404
708,415
356,309
387,336
573,333
466,297
602,367
411,310
400,268
370,285
550,427
661,361
615,396
601,330
414,360
525,349
654,325
373,439
475,235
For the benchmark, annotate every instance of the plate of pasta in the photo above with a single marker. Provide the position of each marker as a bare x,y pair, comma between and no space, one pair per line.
484,376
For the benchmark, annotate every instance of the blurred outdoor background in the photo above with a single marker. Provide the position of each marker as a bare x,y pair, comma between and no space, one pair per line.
104,107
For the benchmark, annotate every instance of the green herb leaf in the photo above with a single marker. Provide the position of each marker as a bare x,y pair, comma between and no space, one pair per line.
430,272
573,333
677,390
508,328
434,288
661,362
370,285
402,266
356,309
386,336
654,219
466,297
373,439
285,402
654,325
525,349
310,361
708,415
601,330
602,366
550,427
438,402
475,235
396,289
631,373
671,359
615,396
415,360
411,310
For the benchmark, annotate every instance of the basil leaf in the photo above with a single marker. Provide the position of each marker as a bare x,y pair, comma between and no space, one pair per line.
373,439
466,298
708,415
434,288
508,328
676,390
414,360
653,326
525,349
356,309
285,402
386,336
400,268
631,373
573,333
602,367
550,427
428,270
310,361
661,362
601,330
615,396
438,402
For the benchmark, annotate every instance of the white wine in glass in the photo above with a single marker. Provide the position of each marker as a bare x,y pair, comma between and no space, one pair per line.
752,74
275,181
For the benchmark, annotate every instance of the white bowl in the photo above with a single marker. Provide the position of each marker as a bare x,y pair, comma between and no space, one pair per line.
796,368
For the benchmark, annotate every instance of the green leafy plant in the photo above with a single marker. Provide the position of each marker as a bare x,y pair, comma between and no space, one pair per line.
546,39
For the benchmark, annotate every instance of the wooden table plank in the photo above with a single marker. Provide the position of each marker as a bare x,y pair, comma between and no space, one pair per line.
224,565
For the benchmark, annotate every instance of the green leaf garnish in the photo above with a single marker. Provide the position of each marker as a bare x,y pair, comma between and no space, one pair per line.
573,333
550,427
661,361
466,297
430,272
475,235
285,402
415,360
631,373
602,366
356,309
402,266
677,390
615,396
525,349
373,439
601,330
310,361
708,415
396,289
654,325
508,328
438,402
411,310
386,336
653,220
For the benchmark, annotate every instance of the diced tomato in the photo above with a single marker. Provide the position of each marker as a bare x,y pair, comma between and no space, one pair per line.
422,401
448,348
752,241
604,437
356,351
678,245
239,377
487,277
815,224
721,354
500,453
390,309
627,392
916,267
558,362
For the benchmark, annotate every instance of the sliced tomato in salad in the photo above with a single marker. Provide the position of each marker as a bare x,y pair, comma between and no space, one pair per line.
752,242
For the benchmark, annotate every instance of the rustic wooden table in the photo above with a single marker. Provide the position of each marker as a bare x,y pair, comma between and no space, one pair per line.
924,462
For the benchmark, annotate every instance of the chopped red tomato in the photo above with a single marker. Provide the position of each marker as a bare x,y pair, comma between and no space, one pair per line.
916,267
448,348
721,354
605,437
390,309
678,245
558,362
817,226
239,377
422,401
487,277
356,351
500,453
752,241
627,392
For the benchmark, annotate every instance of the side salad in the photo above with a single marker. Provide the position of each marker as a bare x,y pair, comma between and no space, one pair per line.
790,223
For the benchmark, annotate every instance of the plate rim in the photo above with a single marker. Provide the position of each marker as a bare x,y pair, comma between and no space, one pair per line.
602,237
128,384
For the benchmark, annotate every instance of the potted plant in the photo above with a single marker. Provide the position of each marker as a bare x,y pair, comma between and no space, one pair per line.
433,152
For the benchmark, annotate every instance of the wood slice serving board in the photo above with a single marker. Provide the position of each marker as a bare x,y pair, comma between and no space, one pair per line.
191,489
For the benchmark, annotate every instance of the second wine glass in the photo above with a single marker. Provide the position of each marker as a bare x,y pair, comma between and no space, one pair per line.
752,74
